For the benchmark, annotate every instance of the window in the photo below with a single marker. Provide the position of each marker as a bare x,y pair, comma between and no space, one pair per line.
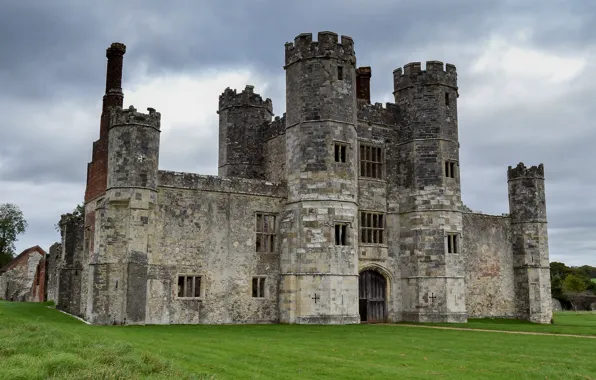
446,98
340,152
258,287
265,233
371,161
189,286
452,243
450,169
340,73
372,228
341,234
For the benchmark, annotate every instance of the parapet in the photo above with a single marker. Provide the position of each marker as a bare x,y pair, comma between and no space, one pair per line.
275,128
388,116
521,171
130,116
327,46
247,98
436,73
116,48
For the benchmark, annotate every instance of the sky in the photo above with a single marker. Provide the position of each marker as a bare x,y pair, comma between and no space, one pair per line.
526,75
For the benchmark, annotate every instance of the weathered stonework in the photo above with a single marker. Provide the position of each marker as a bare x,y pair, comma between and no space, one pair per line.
340,211
23,279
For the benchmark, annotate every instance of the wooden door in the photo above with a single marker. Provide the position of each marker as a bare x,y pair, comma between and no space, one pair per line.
372,290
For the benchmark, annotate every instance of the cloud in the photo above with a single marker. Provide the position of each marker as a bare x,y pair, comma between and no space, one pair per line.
525,71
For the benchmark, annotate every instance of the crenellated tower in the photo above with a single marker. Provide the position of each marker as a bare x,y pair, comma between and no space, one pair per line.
319,280
125,219
429,193
242,119
527,205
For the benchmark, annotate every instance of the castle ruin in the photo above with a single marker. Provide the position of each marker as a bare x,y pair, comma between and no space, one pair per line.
338,212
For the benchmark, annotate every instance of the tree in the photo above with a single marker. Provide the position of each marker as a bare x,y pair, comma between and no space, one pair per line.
573,286
12,223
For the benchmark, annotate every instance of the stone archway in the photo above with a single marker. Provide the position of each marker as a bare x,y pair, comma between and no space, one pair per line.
372,290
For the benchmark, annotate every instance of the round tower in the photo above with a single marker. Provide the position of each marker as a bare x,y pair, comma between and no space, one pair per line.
242,119
319,246
430,213
133,148
527,207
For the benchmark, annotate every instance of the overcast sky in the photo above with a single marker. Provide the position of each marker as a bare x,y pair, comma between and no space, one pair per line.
526,69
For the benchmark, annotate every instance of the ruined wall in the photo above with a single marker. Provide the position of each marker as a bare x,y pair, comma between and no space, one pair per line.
488,259
69,265
17,283
205,226
274,161
52,272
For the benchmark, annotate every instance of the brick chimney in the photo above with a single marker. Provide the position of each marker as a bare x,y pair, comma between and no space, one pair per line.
97,169
363,75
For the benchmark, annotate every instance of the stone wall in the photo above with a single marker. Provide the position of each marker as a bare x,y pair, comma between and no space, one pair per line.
21,279
205,226
52,272
488,259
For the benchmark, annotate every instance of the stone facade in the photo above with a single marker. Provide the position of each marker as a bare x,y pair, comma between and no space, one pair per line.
340,211
23,279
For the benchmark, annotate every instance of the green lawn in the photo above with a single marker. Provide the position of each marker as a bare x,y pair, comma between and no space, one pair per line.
37,342
565,322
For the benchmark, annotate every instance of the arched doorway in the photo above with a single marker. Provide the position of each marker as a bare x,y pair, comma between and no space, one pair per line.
372,288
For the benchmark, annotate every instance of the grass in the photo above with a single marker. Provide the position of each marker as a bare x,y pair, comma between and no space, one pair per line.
37,342
565,322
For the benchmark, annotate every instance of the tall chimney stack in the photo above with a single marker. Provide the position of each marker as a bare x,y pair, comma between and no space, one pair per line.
363,75
113,97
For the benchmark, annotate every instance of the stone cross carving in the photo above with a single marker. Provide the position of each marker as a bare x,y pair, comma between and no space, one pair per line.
316,297
432,298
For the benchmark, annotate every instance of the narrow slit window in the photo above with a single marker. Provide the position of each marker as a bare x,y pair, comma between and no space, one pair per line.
450,168
341,234
258,287
340,72
340,152
452,243
446,98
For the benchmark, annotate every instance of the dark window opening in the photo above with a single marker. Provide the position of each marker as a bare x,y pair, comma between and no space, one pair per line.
372,228
452,243
189,286
450,169
341,234
340,73
340,152
265,230
371,161
446,98
258,287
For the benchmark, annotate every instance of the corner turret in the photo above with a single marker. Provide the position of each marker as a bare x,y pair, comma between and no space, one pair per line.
527,205
242,119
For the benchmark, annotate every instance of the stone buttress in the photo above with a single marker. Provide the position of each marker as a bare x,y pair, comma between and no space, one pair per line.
124,220
432,270
527,205
242,119
318,259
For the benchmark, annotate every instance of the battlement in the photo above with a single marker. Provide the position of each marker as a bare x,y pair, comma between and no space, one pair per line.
130,116
521,171
388,115
275,128
116,48
327,46
436,73
247,98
